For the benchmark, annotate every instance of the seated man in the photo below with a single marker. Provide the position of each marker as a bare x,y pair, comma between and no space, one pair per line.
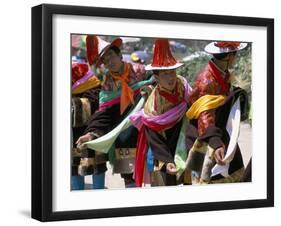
120,92
213,101
161,124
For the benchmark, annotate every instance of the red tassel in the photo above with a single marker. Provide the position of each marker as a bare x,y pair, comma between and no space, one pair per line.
231,45
92,48
162,56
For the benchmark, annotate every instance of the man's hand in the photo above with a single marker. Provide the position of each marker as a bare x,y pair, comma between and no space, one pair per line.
171,168
81,140
219,155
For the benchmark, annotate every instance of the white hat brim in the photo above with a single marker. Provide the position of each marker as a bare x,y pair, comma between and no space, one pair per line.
213,49
116,42
150,67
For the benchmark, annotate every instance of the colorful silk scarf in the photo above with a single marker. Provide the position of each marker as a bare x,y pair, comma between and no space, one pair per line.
204,103
92,82
108,98
157,122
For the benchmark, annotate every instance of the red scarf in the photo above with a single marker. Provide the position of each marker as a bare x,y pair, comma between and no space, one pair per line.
142,149
217,74
172,98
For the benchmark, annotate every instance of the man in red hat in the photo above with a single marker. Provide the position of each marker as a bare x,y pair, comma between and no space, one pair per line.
214,102
161,122
119,94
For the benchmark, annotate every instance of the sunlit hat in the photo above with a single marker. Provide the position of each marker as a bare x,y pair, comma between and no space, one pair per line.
97,47
224,47
83,78
162,57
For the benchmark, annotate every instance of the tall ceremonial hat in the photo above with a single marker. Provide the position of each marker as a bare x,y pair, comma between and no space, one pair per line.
162,57
219,47
97,47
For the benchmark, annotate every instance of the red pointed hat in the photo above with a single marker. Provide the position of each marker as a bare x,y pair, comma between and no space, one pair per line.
97,47
224,47
162,57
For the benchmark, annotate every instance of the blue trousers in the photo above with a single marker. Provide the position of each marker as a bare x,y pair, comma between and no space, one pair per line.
78,183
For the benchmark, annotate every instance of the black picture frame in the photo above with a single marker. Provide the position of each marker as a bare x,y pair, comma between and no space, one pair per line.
42,107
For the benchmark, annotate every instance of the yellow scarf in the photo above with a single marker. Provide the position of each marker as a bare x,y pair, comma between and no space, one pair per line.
204,103
90,83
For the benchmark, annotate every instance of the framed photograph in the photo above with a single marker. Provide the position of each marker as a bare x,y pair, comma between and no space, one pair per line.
145,112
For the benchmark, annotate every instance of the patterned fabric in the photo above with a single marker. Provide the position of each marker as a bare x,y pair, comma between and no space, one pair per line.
83,105
207,82
158,103
211,127
159,114
81,111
